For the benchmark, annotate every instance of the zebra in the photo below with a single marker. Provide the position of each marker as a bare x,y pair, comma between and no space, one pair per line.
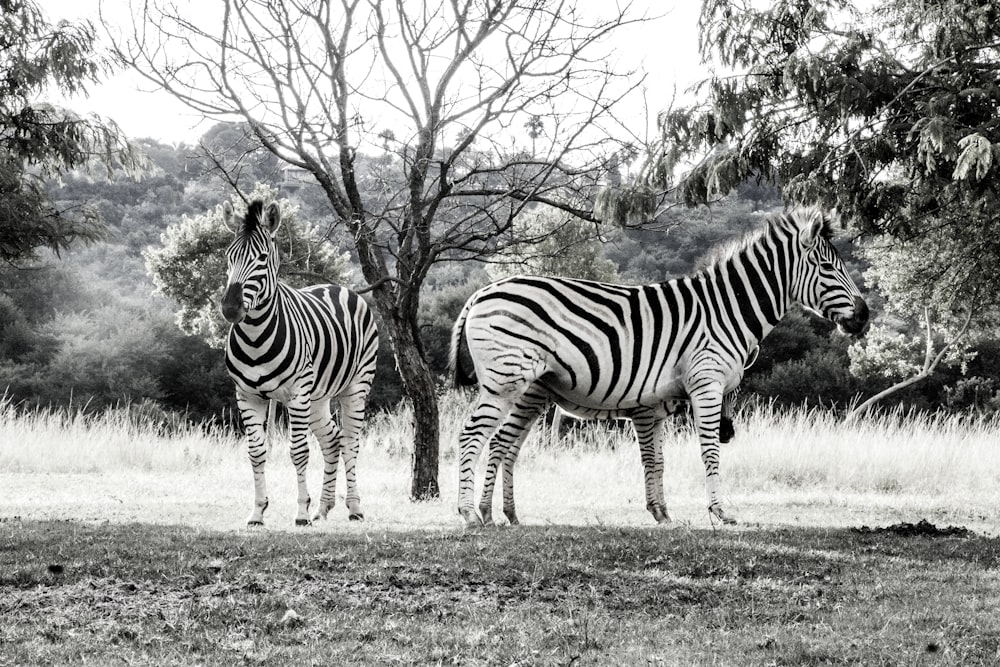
601,350
301,347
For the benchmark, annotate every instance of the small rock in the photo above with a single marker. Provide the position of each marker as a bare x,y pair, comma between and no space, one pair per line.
291,618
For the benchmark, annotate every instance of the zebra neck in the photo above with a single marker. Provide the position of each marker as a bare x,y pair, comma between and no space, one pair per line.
748,295
266,310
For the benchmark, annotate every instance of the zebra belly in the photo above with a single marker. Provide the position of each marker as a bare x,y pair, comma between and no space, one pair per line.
660,403
660,411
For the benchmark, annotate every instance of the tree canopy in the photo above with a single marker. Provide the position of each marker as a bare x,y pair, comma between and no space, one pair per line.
39,140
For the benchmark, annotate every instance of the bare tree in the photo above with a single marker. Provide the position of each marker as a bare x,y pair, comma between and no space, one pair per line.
318,81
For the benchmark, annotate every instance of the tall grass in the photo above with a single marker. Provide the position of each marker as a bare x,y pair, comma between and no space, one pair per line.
798,456
76,441
889,452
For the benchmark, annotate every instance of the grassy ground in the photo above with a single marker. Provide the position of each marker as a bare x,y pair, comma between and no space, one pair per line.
130,593
123,543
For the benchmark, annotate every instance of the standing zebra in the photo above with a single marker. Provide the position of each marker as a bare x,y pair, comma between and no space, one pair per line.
600,350
301,347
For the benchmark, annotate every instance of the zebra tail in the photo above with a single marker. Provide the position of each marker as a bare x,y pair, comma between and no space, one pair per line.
459,376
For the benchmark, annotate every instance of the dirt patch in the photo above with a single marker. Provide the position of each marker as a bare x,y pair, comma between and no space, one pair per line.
922,528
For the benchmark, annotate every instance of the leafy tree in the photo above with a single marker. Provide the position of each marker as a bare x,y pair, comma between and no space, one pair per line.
103,357
16,337
190,265
308,78
39,140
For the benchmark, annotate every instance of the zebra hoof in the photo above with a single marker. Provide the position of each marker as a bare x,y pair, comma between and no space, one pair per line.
659,514
254,522
720,514
355,516
322,512
303,522
471,519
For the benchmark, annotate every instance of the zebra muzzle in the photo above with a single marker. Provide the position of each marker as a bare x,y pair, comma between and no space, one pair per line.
856,324
232,304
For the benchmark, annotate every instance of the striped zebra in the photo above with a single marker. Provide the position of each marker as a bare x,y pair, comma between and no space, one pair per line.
600,350
302,347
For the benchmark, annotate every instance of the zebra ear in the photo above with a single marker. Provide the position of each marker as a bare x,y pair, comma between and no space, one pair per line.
272,217
812,230
227,215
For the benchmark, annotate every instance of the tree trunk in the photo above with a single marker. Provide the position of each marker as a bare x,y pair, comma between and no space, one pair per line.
419,386
418,383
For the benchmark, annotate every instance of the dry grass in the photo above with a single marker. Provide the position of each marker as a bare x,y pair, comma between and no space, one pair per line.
801,467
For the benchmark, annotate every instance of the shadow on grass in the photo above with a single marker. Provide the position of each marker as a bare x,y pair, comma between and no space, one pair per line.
146,550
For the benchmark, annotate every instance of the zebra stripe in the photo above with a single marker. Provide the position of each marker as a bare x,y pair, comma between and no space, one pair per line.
615,351
303,348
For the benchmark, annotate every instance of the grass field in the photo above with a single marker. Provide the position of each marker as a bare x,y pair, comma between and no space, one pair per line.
123,543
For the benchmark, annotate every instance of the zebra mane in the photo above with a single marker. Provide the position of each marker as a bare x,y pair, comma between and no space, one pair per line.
796,219
251,221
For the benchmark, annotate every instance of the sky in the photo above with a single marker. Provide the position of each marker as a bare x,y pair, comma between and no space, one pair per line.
666,48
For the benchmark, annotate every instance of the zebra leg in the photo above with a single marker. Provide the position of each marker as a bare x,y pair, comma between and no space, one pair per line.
504,448
478,428
726,429
352,414
649,434
253,412
706,404
328,435
298,421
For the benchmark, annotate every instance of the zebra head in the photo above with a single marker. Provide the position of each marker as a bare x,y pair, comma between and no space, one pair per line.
252,258
820,281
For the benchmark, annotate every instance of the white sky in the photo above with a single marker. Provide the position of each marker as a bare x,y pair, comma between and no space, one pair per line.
665,47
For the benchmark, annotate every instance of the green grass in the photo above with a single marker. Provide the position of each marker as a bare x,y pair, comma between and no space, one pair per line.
123,542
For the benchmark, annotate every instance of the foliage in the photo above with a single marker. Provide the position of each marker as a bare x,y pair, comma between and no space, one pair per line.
114,355
553,243
16,336
627,208
680,239
886,355
933,271
437,316
819,378
190,265
110,277
39,140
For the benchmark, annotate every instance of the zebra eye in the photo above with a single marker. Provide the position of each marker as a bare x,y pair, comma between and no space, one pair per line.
827,266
